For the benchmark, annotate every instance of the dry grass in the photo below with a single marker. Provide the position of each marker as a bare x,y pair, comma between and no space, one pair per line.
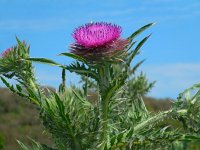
19,121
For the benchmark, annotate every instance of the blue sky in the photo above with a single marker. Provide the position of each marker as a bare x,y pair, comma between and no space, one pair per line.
172,53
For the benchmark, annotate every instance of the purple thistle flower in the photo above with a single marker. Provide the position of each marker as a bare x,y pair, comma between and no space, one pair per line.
5,53
96,34
97,40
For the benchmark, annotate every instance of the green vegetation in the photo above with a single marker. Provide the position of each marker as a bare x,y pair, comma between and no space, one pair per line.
19,119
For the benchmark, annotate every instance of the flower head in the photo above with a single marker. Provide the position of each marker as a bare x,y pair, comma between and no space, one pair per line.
5,53
96,34
97,40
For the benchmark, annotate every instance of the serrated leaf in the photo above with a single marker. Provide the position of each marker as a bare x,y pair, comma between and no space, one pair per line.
74,56
82,70
139,31
18,41
19,88
7,84
81,98
132,71
22,146
45,61
136,50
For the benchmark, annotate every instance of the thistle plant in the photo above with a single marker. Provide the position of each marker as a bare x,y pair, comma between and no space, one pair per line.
118,118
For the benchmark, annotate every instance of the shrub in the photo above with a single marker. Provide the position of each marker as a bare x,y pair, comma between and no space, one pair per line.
1,142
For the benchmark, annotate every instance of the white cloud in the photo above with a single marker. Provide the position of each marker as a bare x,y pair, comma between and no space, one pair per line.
172,78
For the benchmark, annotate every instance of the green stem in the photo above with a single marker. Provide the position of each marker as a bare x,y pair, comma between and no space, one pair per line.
63,78
104,119
63,84
86,87
104,101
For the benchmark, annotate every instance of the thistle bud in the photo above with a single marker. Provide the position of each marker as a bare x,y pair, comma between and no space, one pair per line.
6,52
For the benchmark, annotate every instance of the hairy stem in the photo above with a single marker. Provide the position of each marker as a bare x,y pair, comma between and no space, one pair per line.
104,101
